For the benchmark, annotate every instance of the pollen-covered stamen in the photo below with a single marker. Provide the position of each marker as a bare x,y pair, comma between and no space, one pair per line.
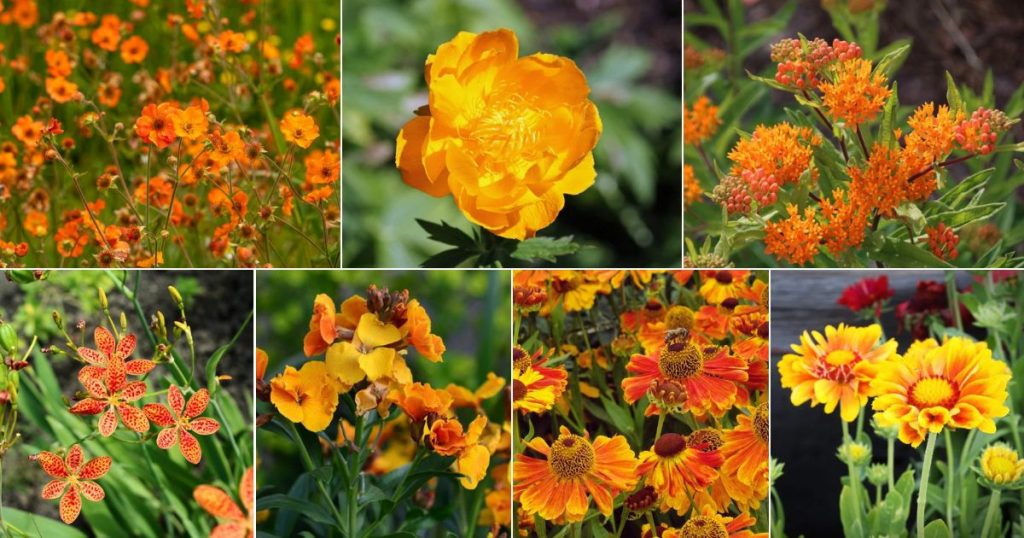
571,457
934,392
679,317
668,392
518,390
681,361
669,444
836,365
706,440
704,527
521,359
761,419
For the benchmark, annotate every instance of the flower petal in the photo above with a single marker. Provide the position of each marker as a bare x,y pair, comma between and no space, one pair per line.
133,417
197,403
108,423
126,347
167,438
92,356
205,426
133,391
70,505
246,489
96,468
92,491
54,489
229,530
158,414
175,399
88,406
73,459
52,464
89,373
217,502
139,367
189,446
104,340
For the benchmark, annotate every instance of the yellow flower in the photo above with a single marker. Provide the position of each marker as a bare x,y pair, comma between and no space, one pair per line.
368,356
1001,465
190,123
956,385
299,129
507,137
836,369
307,395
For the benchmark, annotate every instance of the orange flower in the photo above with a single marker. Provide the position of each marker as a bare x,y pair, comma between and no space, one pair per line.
418,400
535,387
795,239
882,182
718,286
299,129
322,167
677,470
507,137
700,122
845,222
418,326
189,124
556,485
36,223
109,350
691,186
112,397
134,50
745,449
782,151
57,63
60,90
308,395
231,41
28,131
155,125
73,478
219,504
181,419
106,38
855,95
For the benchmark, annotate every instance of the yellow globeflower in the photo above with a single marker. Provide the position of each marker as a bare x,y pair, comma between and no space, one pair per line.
507,137
307,395
957,385
836,369
1000,465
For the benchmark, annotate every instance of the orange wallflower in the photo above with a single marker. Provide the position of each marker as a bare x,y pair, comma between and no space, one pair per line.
234,523
134,50
507,137
419,336
700,122
855,96
180,420
418,400
299,129
308,395
795,239
73,478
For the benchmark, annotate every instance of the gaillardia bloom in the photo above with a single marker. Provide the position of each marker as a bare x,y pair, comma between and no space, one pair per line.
957,385
507,137
835,369
73,478
1000,465
556,485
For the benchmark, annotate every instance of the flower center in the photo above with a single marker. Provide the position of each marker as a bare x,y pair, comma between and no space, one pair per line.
521,360
723,277
704,527
1001,465
681,361
933,391
571,457
669,445
705,440
679,317
761,422
518,390
840,357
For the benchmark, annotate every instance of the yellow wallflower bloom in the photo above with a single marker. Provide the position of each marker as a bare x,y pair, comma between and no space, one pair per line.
367,355
307,395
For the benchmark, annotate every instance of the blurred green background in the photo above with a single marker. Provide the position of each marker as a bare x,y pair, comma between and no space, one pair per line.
630,53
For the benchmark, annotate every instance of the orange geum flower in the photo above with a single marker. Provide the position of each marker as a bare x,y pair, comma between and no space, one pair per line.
73,478
855,95
134,50
231,41
36,223
57,63
307,395
180,420
299,129
189,124
218,503
796,239
507,137
106,38
28,131
113,398
700,122
155,125
322,167
108,349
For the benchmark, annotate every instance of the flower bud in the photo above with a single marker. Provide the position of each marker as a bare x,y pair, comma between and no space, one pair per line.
103,299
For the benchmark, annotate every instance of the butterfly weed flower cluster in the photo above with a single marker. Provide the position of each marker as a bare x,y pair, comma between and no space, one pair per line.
944,387
167,134
384,432
640,399
843,179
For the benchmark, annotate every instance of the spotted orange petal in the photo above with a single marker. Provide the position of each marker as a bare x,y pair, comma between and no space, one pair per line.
197,403
167,438
91,372
126,346
189,446
133,391
175,399
52,464
139,367
217,502
95,386
116,376
88,406
104,340
245,489
108,423
74,459
70,505
92,491
54,489
229,530
205,426
133,417
158,414
92,356
96,468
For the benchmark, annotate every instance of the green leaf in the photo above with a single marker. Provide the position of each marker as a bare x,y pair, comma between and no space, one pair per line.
545,248
958,218
447,234
312,511
937,529
36,525
962,191
892,61
211,368
903,254
956,102
853,527
620,417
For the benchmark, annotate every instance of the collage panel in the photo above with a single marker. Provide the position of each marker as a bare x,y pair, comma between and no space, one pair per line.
383,407
163,133
852,133
641,405
895,405
126,403
512,133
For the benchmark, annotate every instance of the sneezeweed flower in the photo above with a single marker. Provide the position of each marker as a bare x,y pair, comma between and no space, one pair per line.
109,349
677,470
719,286
745,453
1001,467
507,137
180,420
535,387
308,395
112,395
708,523
234,523
73,478
953,385
556,485
836,369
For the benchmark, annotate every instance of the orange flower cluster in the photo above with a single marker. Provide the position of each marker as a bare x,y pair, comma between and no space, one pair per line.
700,121
942,241
802,63
692,191
174,181
856,94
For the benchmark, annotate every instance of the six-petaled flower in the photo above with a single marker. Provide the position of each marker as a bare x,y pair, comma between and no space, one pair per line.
180,419
73,478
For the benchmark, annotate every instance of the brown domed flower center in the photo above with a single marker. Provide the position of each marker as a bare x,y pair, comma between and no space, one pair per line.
521,360
571,457
518,390
704,527
934,392
669,444
761,422
641,501
679,317
705,440
681,360
723,277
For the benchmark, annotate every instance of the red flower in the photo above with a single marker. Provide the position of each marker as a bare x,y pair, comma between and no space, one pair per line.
113,399
73,479
181,419
867,293
108,349
929,300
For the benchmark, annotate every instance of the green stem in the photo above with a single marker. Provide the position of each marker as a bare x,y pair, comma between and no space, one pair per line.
922,491
307,461
890,452
852,471
950,481
954,299
654,526
661,423
990,514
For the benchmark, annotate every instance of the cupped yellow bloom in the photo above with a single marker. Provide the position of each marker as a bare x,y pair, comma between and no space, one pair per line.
368,355
956,385
836,369
507,137
1000,465
308,395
